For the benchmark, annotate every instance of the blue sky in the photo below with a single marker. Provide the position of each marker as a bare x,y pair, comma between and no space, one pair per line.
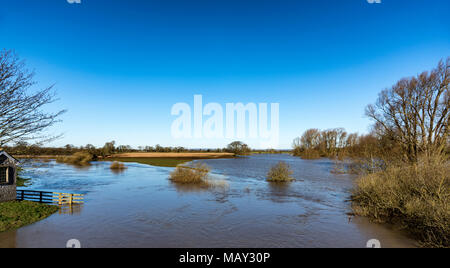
119,65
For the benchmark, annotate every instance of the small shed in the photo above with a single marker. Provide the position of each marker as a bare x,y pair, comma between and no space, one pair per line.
8,177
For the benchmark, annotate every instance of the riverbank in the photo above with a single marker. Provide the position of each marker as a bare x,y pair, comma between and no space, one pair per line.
415,198
14,215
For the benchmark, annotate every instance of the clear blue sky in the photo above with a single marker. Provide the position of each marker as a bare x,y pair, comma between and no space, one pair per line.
120,65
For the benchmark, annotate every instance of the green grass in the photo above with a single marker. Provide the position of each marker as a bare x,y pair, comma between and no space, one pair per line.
21,182
14,215
160,162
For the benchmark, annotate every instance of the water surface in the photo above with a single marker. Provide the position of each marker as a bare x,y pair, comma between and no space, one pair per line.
140,207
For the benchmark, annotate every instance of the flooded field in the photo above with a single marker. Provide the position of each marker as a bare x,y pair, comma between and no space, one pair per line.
140,207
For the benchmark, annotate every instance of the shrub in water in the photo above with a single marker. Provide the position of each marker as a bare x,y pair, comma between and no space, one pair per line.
117,166
281,172
80,159
191,175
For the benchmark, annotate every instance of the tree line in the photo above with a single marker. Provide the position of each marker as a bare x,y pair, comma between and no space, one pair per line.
410,121
110,148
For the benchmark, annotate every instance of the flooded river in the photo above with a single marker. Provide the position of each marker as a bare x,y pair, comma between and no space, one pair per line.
140,207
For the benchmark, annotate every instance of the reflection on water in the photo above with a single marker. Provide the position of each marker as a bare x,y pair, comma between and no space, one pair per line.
70,209
117,171
140,207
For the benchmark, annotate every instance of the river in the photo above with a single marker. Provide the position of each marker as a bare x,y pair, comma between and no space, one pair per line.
140,207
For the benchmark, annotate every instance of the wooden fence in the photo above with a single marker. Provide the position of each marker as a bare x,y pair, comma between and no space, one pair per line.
50,197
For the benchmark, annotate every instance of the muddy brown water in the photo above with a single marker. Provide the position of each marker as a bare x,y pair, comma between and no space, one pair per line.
140,207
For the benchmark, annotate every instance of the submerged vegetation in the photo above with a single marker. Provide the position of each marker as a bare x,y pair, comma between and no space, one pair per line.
14,215
191,175
117,166
195,178
281,172
79,159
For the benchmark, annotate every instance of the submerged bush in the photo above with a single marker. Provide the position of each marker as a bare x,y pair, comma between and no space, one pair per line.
417,197
117,166
309,154
80,159
281,172
190,175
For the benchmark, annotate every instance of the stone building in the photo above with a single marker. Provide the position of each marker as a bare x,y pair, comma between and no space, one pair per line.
8,175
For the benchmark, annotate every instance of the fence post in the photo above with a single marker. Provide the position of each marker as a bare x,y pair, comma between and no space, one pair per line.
23,193
40,197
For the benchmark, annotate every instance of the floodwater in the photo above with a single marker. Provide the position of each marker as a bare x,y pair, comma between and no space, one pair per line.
140,207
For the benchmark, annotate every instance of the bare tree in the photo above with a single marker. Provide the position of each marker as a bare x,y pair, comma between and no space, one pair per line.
310,139
414,112
21,115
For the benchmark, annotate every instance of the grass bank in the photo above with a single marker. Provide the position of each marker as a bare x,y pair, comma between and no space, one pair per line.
414,197
14,215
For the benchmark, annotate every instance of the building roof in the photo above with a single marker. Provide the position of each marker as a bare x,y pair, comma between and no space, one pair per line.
6,158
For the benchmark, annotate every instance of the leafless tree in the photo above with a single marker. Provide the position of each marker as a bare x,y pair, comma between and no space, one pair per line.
310,139
22,117
352,140
414,112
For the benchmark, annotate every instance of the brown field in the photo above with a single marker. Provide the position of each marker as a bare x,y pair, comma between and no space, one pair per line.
175,155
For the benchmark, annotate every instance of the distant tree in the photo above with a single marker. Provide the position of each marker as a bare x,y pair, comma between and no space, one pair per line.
414,112
124,148
297,147
22,117
69,147
21,147
238,148
90,149
109,148
159,148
